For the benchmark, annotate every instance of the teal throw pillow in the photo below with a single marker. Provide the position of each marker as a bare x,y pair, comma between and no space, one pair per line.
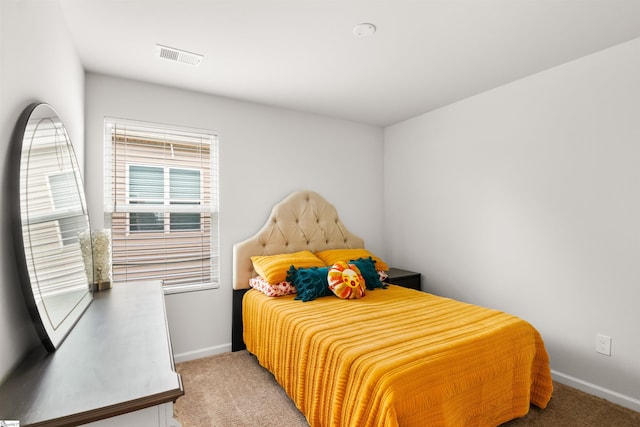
367,267
310,283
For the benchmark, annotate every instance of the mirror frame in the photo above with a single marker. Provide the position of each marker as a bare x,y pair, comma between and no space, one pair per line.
50,335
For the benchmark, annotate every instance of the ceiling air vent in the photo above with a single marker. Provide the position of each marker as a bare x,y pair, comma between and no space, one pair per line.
177,55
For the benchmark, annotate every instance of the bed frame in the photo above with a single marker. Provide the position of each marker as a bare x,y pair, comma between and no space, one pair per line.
304,220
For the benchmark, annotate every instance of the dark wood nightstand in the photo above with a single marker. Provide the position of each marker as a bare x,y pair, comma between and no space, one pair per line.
408,279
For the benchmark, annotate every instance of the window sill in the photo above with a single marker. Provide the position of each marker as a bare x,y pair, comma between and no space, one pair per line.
180,289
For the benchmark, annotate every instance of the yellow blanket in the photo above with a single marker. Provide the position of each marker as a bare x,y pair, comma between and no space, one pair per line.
398,357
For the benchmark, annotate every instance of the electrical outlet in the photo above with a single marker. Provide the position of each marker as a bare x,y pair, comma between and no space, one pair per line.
603,344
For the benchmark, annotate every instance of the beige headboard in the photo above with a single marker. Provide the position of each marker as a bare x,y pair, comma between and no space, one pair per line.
301,221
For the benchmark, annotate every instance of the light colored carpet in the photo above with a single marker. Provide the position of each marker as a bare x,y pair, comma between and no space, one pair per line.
233,390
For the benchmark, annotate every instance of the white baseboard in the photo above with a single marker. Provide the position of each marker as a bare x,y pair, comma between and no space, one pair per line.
596,390
200,353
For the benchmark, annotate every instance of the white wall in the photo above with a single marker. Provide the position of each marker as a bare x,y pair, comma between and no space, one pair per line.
38,63
265,153
526,198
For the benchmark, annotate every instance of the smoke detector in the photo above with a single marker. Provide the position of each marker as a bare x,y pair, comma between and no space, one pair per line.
365,29
178,55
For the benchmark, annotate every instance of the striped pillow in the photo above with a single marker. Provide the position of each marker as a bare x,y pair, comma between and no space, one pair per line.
273,268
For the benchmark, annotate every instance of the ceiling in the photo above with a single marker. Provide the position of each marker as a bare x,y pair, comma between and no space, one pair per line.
303,54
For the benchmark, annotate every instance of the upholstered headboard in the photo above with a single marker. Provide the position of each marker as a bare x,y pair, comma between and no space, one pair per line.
301,221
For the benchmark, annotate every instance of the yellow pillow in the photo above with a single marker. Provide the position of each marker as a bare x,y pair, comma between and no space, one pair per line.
332,256
273,268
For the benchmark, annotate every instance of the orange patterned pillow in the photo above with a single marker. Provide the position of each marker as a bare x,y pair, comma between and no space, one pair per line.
272,289
345,281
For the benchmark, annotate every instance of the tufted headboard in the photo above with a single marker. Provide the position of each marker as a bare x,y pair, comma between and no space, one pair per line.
301,221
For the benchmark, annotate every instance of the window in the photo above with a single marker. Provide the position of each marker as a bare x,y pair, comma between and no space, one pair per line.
66,201
147,186
161,199
63,191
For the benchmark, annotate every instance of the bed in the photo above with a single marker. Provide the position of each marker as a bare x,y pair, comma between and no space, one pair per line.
396,356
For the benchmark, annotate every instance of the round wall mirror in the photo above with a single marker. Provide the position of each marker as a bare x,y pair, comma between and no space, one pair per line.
52,236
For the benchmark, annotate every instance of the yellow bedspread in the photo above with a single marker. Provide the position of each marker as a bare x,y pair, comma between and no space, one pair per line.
398,357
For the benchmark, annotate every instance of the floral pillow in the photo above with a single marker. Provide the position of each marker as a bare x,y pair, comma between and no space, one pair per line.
346,281
272,290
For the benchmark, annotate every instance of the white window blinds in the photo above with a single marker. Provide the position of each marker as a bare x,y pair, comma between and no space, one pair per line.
161,198
53,214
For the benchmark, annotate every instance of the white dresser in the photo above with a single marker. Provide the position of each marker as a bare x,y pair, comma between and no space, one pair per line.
115,368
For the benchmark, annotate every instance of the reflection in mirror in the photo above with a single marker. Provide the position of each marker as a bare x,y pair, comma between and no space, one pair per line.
50,224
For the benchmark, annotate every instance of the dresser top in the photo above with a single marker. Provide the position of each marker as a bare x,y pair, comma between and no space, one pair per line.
115,360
